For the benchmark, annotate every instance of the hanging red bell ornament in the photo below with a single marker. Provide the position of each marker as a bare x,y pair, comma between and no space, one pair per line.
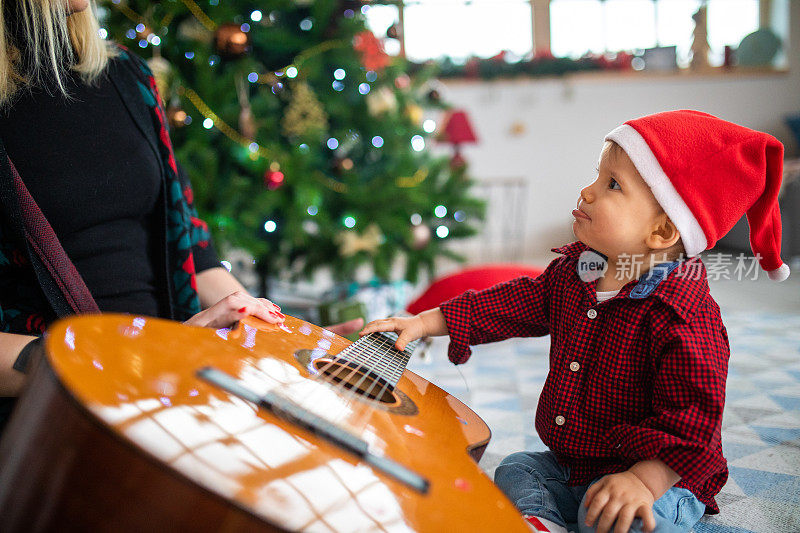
457,130
230,41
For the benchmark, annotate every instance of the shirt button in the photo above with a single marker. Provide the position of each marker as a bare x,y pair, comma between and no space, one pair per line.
574,366
591,313
560,420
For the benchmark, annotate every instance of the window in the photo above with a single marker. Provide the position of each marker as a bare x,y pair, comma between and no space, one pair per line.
459,29
580,26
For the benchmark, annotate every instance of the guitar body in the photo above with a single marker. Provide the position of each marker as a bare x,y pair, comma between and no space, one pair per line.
116,431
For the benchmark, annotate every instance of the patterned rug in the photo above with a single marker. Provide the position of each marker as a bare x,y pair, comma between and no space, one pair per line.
761,424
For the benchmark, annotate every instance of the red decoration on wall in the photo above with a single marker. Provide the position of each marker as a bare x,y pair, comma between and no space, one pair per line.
457,131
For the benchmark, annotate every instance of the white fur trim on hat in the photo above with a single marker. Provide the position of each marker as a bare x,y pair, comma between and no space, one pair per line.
692,236
780,273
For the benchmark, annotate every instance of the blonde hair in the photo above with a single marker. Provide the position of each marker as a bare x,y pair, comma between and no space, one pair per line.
54,39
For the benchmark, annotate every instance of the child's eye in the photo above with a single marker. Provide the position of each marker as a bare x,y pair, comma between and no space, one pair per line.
613,184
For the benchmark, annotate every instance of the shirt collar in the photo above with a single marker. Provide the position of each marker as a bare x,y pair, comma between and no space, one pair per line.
682,289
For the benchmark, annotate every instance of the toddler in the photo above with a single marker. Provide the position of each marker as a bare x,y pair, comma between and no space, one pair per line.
631,409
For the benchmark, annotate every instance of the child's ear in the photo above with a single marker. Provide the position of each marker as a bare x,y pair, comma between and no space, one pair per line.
664,235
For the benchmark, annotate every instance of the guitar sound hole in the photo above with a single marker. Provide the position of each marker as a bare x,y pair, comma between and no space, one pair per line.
357,379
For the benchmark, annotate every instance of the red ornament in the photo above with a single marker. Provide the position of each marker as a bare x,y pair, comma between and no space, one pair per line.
472,69
623,61
273,179
372,55
402,81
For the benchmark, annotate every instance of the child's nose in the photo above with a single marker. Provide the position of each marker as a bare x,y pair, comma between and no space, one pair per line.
587,195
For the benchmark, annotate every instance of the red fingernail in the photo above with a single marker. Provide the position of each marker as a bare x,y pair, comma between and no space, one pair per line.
278,307
242,310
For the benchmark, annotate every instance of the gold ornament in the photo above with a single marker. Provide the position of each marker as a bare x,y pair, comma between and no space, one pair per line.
145,33
176,116
415,113
350,242
230,41
381,101
304,113
517,129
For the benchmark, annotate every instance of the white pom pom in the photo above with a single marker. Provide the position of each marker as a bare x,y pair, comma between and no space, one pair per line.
780,273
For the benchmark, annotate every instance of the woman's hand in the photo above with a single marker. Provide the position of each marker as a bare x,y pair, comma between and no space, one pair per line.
228,311
619,498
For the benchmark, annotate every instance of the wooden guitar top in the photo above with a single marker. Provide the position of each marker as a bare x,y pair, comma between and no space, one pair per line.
138,377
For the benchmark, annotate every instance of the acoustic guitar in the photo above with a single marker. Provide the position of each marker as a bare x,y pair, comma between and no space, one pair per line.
140,424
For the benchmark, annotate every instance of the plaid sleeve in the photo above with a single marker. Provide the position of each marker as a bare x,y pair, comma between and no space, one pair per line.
516,308
205,255
689,396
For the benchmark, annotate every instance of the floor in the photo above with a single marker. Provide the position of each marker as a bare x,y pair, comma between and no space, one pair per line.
761,427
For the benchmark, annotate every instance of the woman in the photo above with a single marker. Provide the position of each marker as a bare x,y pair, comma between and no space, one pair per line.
82,126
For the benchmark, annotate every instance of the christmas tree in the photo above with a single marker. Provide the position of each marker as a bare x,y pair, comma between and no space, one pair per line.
304,141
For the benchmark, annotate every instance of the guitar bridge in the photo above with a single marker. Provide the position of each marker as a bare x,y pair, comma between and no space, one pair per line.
286,409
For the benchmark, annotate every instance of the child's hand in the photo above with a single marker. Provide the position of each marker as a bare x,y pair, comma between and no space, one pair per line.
408,329
619,498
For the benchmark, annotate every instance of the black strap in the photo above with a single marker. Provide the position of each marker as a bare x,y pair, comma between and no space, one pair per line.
58,277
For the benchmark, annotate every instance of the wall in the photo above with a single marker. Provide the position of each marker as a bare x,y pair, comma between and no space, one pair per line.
565,121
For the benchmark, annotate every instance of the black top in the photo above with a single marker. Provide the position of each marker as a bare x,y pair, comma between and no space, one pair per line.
97,181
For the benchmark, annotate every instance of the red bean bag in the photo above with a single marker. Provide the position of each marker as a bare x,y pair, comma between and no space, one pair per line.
478,278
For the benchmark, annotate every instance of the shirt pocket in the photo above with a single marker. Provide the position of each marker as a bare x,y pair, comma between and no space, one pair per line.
621,385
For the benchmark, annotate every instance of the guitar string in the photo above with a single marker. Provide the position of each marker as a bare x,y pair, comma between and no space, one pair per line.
359,421
360,355
353,354
360,349
371,347
388,344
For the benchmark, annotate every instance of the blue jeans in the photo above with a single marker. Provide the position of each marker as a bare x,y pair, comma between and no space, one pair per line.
537,484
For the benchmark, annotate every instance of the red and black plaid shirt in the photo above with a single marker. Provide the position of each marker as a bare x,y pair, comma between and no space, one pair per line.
640,376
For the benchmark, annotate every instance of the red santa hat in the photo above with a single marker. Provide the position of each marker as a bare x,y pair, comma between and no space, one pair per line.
706,173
